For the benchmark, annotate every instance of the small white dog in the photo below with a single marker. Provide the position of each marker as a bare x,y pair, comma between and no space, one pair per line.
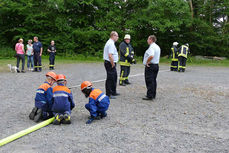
13,69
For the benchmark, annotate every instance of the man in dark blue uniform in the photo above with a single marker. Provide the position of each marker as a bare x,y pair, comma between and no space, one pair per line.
37,48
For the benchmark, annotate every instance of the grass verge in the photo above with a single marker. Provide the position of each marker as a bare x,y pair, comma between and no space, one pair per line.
91,59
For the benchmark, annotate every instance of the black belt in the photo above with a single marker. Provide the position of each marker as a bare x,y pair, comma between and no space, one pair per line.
152,64
106,61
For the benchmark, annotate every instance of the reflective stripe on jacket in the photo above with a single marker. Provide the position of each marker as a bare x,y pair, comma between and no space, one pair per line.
174,53
183,51
126,53
98,102
62,99
43,99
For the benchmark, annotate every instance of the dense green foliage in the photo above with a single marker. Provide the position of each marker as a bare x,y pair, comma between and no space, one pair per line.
83,26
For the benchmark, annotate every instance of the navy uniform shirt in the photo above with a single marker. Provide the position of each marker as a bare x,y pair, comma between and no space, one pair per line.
37,46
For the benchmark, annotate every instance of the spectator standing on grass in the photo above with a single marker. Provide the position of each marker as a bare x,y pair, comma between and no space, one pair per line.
110,56
19,48
37,48
151,61
29,53
52,51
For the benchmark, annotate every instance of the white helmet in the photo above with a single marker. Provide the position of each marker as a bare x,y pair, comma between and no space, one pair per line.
127,36
175,43
187,44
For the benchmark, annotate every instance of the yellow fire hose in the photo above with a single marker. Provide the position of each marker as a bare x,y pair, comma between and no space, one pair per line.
25,132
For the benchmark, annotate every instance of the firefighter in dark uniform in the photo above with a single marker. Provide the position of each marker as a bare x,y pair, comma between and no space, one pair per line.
52,51
126,58
182,57
174,55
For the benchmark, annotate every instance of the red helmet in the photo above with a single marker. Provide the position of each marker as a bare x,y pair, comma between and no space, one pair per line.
61,77
85,84
52,75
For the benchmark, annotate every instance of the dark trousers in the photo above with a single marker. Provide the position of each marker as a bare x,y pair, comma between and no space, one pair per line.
21,57
124,73
174,65
51,60
111,81
151,79
182,63
37,61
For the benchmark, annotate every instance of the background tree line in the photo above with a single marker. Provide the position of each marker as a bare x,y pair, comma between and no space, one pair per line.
83,26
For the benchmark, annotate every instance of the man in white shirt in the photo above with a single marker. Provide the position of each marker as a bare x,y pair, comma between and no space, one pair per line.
110,56
151,61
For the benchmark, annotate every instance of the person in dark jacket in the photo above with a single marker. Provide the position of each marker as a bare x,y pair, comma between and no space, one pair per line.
126,59
43,99
98,102
62,101
52,51
174,55
182,57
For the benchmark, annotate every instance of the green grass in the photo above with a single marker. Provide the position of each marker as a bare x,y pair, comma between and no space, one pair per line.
91,59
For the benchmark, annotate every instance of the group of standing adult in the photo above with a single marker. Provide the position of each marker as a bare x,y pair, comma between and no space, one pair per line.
151,61
33,52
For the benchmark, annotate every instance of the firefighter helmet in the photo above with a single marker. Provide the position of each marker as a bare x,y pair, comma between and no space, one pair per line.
187,44
175,43
86,84
52,75
61,77
127,36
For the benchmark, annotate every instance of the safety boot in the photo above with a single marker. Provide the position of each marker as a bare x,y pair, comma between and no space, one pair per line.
103,115
66,119
121,83
127,82
33,113
38,115
58,119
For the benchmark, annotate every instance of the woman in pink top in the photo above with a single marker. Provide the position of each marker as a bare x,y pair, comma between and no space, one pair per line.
19,48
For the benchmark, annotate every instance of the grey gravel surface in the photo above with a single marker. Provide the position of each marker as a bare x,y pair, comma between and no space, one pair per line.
190,113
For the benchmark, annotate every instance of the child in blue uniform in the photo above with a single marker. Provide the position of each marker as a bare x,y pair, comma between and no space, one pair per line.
62,101
98,102
43,99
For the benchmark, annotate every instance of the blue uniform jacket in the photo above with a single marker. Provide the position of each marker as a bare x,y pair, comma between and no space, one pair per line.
62,99
43,99
98,102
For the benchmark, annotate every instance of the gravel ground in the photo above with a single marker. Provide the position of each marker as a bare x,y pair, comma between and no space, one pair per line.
190,113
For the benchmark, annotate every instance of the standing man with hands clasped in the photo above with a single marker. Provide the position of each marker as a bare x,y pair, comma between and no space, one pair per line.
110,56
151,61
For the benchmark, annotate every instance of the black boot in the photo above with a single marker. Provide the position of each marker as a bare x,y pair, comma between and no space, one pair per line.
127,82
58,119
33,113
38,115
66,119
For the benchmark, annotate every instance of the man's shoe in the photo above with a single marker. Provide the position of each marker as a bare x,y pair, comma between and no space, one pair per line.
33,113
111,97
38,115
116,94
22,71
147,98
